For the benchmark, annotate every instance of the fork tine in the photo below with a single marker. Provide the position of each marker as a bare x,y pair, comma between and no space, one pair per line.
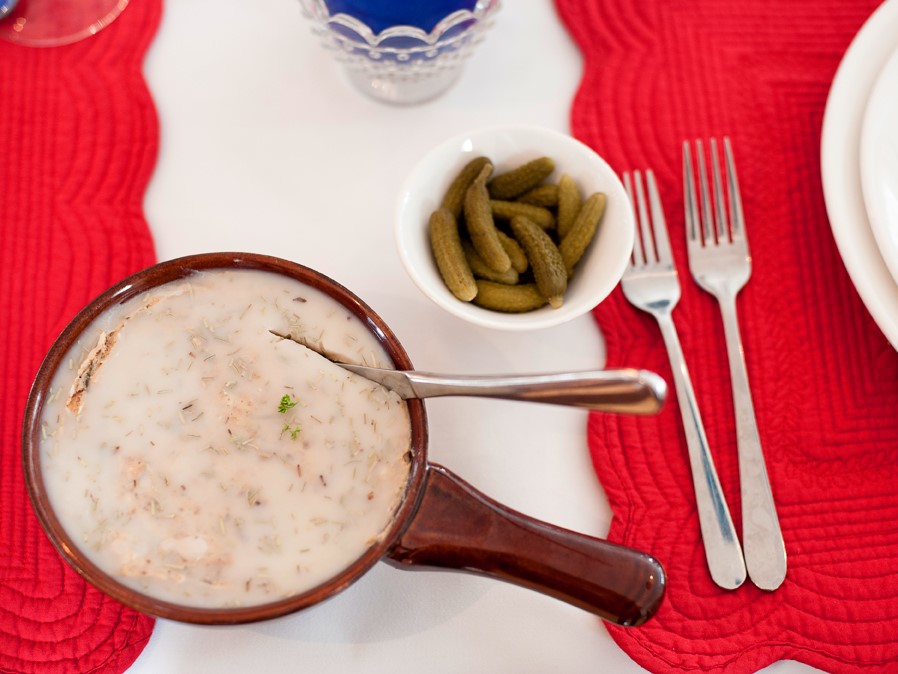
737,219
628,187
659,223
707,220
645,222
638,257
693,225
720,217
648,241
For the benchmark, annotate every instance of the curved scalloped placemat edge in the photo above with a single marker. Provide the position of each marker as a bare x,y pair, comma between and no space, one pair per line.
78,145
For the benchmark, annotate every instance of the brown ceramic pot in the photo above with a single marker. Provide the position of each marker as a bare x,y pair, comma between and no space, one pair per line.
442,521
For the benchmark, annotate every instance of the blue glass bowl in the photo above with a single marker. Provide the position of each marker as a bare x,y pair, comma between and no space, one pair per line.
402,64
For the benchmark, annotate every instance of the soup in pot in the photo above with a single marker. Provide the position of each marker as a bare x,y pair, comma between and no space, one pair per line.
201,460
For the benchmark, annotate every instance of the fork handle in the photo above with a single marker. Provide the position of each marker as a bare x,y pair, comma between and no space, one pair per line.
722,549
762,538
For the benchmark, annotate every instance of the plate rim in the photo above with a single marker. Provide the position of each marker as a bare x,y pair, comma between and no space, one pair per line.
880,104
840,166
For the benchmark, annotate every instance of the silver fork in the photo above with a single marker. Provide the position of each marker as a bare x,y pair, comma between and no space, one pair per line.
650,283
721,264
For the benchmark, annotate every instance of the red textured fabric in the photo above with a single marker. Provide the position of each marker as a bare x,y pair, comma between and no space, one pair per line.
823,376
78,142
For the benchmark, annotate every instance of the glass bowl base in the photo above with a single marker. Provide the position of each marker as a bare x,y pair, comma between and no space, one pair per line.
400,90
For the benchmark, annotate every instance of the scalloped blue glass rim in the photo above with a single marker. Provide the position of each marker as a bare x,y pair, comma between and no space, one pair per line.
379,15
399,42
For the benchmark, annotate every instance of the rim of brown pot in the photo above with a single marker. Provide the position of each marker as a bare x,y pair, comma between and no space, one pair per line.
152,277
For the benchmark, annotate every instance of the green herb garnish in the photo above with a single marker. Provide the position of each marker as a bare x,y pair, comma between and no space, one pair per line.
293,431
286,403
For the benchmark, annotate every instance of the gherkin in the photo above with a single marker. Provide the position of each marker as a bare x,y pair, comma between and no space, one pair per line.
508,299
517,181
449,255
480,224
574,244
506,210
454,198
545,259
516,254
482,270
569,203
545,195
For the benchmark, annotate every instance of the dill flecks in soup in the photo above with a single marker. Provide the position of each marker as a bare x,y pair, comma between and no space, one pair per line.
199,459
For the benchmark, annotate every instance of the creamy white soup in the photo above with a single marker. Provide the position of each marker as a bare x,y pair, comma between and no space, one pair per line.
201,460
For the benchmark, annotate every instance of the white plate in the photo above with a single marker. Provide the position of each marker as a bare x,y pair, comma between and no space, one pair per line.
840,159
879,162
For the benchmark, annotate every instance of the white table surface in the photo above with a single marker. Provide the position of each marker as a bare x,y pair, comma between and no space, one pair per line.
266,148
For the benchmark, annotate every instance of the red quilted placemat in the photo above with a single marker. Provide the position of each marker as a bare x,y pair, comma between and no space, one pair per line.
825,380
78,142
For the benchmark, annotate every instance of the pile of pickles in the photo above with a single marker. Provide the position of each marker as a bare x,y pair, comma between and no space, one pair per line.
511,242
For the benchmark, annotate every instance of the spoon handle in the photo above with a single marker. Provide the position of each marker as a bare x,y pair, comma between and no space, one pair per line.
622,391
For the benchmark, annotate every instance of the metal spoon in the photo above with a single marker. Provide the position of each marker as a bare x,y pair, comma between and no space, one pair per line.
625,390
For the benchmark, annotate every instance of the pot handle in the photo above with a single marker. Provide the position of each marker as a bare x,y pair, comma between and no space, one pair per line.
457,527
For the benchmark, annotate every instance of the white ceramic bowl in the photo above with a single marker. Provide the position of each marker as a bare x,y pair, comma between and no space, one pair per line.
597,273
